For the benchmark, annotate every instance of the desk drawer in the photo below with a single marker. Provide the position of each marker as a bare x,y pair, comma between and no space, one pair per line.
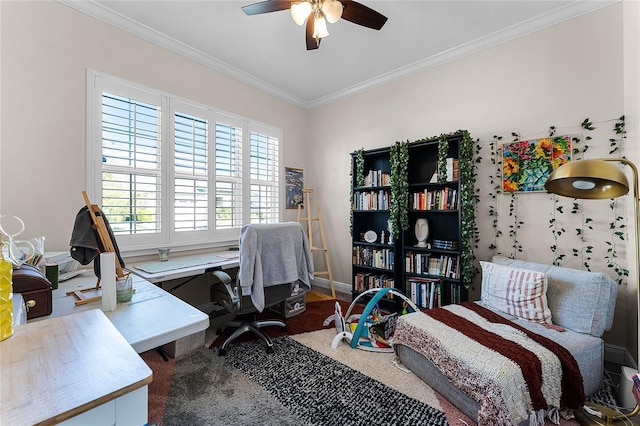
292,306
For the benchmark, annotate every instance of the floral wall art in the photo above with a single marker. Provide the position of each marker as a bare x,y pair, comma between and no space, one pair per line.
526,165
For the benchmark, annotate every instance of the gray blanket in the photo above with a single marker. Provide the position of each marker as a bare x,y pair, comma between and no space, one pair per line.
272,254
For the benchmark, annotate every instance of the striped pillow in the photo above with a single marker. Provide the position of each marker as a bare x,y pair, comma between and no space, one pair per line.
518,292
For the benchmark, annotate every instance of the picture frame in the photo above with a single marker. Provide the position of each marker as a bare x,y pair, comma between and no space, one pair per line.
527,164
293,187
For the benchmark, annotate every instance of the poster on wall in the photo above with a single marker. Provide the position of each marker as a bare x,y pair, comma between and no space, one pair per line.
526,165
293,187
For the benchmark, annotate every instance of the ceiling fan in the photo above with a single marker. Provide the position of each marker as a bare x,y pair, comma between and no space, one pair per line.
318,12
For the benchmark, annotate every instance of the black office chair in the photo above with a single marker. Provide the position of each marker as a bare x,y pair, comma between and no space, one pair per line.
274,258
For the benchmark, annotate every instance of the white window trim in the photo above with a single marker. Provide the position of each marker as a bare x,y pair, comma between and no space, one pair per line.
133,245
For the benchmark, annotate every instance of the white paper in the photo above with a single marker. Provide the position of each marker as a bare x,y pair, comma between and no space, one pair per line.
108,280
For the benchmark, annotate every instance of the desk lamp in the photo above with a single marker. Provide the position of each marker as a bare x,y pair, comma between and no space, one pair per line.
600,179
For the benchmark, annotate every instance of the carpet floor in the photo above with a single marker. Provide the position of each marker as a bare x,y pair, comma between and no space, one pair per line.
203,385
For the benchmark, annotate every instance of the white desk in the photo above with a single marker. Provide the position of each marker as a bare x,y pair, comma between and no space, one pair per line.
75,369
218,260
153,317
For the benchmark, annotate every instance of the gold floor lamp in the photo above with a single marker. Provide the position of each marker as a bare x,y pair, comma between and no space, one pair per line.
600,179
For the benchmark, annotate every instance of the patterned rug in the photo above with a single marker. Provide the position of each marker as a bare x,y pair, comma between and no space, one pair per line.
295,385
605,396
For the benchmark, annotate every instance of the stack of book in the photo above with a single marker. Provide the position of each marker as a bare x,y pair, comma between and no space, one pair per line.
377,178
444,244
371,200
365,281
373,257
442,199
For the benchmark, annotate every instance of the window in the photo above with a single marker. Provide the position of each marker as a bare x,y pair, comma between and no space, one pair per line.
166,171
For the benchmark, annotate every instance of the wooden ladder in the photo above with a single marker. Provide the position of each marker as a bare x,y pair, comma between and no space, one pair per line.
307,194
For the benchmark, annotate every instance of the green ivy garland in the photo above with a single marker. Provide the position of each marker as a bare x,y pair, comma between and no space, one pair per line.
443,152
495,183
358,175
585,251
513,212
398,210
360,167
617,225
467,206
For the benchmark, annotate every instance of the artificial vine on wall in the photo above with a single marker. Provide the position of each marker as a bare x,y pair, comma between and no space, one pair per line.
399,208
558,209
585,250
495,185
617,225
584,233
516,224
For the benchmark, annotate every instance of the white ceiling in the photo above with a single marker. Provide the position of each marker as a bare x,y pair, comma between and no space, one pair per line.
268,51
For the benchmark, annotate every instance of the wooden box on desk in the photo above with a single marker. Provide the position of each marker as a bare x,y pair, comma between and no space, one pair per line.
36,290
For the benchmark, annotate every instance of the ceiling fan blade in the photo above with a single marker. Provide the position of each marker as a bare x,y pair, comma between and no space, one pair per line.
362,15
312,43
266,7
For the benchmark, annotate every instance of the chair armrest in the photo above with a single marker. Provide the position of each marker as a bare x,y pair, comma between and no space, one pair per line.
233,305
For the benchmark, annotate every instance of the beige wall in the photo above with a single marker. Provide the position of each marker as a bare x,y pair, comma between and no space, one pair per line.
46,49
557,76
631,41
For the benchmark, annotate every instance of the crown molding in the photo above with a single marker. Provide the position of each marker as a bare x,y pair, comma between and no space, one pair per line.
572,10
98,11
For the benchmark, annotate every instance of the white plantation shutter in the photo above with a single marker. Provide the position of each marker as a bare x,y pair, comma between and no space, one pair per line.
131,166
264,175
171,172
191,187
229,144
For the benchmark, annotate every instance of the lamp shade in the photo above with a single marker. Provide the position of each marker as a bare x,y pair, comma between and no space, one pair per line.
332,10
320,27
300,11
588,179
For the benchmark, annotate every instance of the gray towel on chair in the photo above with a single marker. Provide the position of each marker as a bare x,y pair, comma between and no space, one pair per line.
272,254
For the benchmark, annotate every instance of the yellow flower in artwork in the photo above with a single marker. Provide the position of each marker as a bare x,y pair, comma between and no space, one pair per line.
558,161
509,186
544,148
510,166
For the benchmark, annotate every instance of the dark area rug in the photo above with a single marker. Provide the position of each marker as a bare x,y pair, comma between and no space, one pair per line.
295,385
606,396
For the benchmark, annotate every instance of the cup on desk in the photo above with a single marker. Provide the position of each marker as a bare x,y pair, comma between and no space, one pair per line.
124,289
52,272
164,254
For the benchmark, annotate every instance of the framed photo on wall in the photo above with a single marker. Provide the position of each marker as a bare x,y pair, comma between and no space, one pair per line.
293,187
526,165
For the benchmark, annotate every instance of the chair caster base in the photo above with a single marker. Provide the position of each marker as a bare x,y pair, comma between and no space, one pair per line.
222,352
270,349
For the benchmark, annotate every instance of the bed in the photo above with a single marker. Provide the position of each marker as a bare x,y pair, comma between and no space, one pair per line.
567,310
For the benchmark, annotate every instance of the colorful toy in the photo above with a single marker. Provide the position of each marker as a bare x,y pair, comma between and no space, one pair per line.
369,330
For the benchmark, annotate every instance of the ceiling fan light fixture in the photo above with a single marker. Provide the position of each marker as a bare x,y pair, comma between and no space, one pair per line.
299,11
332,10
320,27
